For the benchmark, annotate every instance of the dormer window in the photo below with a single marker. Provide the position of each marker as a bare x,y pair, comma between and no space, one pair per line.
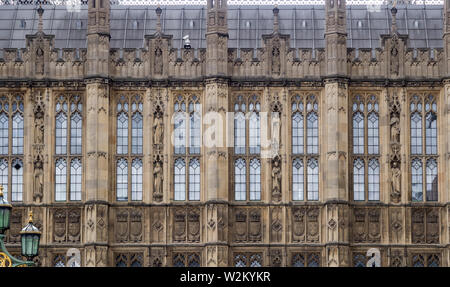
79,24
360,24
248,24
135,25
23,24
416,24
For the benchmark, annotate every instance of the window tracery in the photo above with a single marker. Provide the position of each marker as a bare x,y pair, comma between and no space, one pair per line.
423,147
11,145
365,147
305,147
68,147
247,147
129,147
187,147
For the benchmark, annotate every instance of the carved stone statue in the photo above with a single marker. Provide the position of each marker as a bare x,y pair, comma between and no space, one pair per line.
158,129
38,186
276,65
395,128
158,64
39,131
39,61
394,60
395,181
276,133
276,179
158,180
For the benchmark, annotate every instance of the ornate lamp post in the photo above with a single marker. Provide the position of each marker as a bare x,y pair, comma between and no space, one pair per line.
30,237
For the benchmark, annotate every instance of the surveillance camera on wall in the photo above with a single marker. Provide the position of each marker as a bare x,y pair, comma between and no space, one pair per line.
187,42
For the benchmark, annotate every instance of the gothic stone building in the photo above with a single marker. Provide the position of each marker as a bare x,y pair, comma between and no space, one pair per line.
90,101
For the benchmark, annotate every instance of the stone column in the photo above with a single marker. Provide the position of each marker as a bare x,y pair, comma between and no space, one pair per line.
215,107
96,151
334,141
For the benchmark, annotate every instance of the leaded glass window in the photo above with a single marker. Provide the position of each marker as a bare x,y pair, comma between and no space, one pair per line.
248,260
417,179
255,179
68,147
187,147
136,179
423,137
75,179
122,179
180,179
305,147
194,125
61,180
194,179
129,147
4,132
431,180
11,146
297,179
240,180
374,179
313,179
358,179
365,147
247,147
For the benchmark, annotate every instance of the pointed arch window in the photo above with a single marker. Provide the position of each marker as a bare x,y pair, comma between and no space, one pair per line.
136,179
68,147
255,179
187,147
11,145
423,145
122,180
305,147
247,147
75,179
129,147
365,147
61,180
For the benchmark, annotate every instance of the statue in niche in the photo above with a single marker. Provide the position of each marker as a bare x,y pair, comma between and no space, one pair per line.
158,179
276,131
39,130
394,60
158,129
38,187
276,65
158,65
276,178
395,128
39,61
395,181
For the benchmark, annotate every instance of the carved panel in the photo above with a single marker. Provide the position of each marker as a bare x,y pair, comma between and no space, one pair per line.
366,225
66,225
129,225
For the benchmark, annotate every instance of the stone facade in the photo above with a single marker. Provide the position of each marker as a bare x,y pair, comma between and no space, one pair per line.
217,230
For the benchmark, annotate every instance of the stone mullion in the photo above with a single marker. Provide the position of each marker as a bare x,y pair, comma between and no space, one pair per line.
28,151
147,147
405,149
383,135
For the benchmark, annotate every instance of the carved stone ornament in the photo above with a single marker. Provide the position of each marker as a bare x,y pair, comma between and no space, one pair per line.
158,179
276,179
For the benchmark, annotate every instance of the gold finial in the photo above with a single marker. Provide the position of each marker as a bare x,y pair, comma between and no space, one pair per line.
30,217
1,190
395,3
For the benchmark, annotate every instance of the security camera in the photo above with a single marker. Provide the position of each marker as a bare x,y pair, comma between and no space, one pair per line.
187,42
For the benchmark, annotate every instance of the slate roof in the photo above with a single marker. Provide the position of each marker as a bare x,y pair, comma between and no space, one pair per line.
305,24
